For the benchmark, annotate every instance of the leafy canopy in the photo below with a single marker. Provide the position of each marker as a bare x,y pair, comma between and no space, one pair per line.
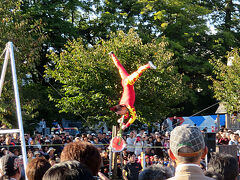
227,82
90,83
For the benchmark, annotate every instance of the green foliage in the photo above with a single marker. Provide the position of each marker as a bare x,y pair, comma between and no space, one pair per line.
183,23
91,83
226,83
25,33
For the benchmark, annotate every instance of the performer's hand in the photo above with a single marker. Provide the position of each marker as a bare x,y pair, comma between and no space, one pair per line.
124,127
119,120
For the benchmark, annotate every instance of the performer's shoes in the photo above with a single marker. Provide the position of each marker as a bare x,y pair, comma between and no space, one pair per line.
151,65
110,53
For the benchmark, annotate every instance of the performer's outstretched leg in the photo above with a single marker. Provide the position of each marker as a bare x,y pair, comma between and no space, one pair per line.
131,79
122,71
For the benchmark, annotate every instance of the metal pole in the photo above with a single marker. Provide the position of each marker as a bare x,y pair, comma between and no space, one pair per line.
19,114
4,70
218,122
110,162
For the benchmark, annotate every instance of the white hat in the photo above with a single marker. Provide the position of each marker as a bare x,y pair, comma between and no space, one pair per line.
36,152
51,149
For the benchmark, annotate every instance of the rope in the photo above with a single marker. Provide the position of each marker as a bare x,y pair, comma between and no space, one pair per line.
204,109
193,115
57,91
54,145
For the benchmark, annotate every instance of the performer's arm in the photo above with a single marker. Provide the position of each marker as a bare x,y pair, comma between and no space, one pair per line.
133,115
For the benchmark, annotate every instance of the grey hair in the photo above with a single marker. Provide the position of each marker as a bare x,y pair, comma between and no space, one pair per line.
155,172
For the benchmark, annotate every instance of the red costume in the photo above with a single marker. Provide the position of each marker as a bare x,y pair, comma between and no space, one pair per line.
128,96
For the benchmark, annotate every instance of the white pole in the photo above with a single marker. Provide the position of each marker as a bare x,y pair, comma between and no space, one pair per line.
19,114
7,131
4,70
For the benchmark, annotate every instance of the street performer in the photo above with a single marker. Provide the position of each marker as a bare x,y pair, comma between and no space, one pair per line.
126,104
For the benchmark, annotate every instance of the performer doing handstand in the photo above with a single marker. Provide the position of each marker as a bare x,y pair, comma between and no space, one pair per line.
128,97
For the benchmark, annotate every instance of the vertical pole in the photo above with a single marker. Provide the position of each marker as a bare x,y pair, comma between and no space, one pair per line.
143,160
114,156
227,121
111,158
4,69
19,114
218,122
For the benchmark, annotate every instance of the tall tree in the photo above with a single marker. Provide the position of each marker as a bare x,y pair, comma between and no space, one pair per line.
91,83
225,19
26,35
184,24
226,82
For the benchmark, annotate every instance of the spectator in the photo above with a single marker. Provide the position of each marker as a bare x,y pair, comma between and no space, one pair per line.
187,147
37,168
138,145
223,140
97,143
83,152
155,172
68,170
158,150
52,160
225,165
174,122
50,152
42,124
57,141
155,159
131,169
130,141
147,161
233,139
37,154
11,167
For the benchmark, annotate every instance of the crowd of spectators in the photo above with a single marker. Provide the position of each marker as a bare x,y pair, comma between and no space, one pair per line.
154,145
52,150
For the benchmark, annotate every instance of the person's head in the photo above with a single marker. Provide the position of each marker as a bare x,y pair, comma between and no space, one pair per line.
8,140
187,145
36,168
155,157
132,158
224,164
85,139
234,137
68,170
120,109
100,135
11,166
15,136
37,154
16,152
95,139
155,172
52,160
51,151
77,139
83,152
